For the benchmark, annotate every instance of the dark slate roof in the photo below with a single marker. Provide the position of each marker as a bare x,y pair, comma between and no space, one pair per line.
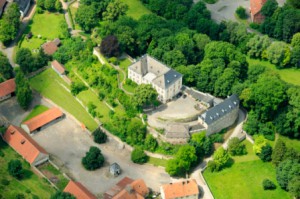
22,4
221,109
115,167
167,79
199,96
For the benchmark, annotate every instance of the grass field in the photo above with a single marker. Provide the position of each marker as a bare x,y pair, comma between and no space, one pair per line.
47,25
73,10
157,162
48,83
136,9
244,179
291,142
36,111
289,75
29,186
124,64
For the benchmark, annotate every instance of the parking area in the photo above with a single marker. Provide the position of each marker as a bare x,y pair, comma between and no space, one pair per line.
68,143
178,110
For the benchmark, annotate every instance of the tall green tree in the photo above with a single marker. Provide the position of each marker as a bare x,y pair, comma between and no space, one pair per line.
144,94
278,152
23,90
15,169
286,171
114,10
221,157
279,53
269,8
93,159
85,17
6,70
136,132
257,46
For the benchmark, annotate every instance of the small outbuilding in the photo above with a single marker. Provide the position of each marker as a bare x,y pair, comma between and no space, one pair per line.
115,169
58,68
177,133
36,123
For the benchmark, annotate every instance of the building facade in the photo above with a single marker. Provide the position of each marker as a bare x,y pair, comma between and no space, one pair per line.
255,7
220,116
166,81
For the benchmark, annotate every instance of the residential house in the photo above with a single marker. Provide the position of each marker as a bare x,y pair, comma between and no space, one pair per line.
39,121
58,67
176,134
166,81
7,89
220,116
51,47
115,169
180,190
2,6
255,7
128,188
78,190
23,144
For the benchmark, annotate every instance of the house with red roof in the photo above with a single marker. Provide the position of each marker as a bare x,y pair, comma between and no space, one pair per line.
78,190
7,89
128,188
179,190
39,121
58,67
255,7
51,47
23,144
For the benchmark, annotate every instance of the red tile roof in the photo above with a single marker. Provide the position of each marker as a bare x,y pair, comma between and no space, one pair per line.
128,189
2,3
59,67
256,5
21,142
43,118
50,48
79,191
180,189
7,87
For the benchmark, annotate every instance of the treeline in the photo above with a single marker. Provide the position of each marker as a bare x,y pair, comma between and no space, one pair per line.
281,22
9,24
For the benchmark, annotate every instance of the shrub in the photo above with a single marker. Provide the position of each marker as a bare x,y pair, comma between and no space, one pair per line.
235,147
212,166
15,168
254,26
62,195
35,197
241,12
268,184
138,156
92,109
101,96
5,182
113,60
266,153
217,138
77,87
99,136
20,196
93,159
210,1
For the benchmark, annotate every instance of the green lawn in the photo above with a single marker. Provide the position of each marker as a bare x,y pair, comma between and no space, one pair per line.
291,142
29,186
157,162
136,9
289,75
128,88
124,64
48,83
47,25
36,111
244,179
73,10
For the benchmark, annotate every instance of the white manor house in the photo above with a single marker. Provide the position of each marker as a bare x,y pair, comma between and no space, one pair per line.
148,70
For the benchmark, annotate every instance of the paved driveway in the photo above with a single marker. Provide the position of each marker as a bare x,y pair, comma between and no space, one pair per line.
68,143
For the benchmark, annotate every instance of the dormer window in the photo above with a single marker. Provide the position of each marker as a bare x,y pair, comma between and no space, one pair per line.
12,132
22,141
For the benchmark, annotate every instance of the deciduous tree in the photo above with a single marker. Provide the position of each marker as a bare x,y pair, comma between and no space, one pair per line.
144,94
93,159
110,46
15,169
138,156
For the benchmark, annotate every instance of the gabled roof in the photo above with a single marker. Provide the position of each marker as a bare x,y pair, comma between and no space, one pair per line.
167,79
43,118
180,189
256,5
2,4
221,109
7,87
50,48
177,131
21,142
78,190
127,189
22,4
59,67
115,167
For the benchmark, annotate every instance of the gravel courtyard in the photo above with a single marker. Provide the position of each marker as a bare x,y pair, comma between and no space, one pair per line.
68,143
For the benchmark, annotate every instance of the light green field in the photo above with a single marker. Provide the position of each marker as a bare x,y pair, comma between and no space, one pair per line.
124,64
244,179
73,10
291,142
47,25
31,182
36,111
136,9
48,83
157,162
288,75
